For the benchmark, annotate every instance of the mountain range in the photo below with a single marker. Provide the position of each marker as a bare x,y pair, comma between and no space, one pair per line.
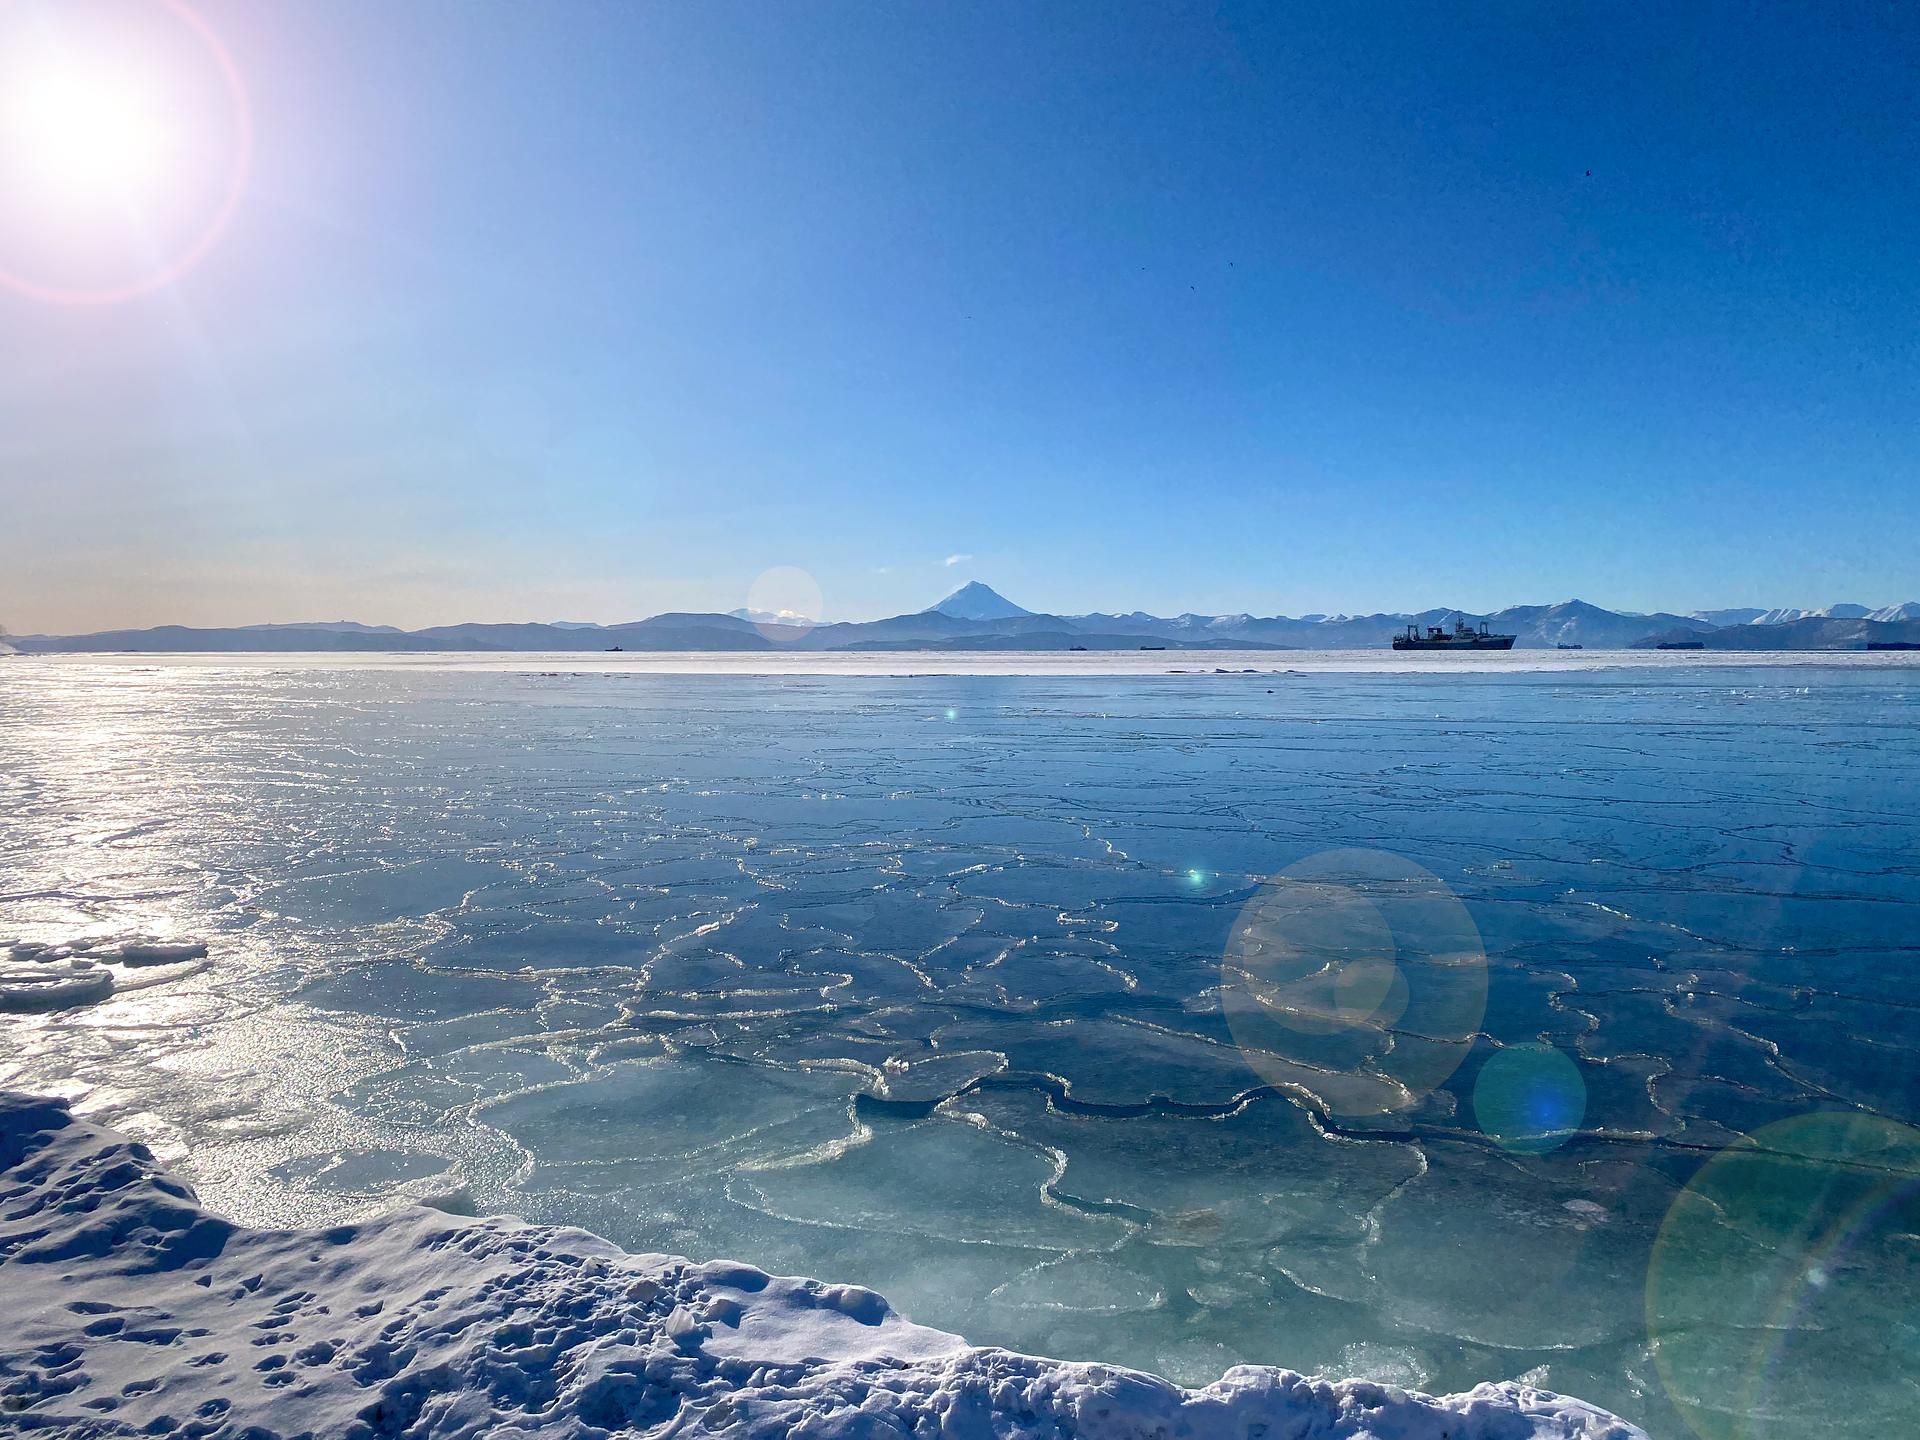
977,617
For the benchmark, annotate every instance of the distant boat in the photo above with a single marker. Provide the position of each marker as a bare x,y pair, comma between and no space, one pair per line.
616,649
1153,647
1076,647
1681,645
1564,646
1463,637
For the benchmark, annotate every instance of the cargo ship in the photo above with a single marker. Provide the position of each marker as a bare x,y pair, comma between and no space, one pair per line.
1462,637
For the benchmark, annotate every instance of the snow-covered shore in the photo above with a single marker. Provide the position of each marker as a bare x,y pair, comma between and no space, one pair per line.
125,1307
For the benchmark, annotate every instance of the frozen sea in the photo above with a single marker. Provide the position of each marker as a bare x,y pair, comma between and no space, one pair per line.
1545,1016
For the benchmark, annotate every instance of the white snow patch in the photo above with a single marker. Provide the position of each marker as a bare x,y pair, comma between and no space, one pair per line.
129,1309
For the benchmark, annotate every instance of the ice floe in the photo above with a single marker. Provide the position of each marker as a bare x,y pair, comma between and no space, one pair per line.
49,975
53,983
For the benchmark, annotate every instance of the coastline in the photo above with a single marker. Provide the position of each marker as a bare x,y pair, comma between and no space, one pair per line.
905,664
131,1307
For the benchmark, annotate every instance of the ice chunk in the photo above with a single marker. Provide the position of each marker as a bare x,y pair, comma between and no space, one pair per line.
161,952
55,984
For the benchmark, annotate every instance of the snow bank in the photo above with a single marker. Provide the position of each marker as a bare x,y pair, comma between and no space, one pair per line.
130,1309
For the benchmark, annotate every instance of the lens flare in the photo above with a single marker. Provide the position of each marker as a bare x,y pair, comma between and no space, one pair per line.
1529,1099
125,144
1783,1290
1358,976
784,603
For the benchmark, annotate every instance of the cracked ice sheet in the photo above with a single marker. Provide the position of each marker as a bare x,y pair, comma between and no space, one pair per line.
452,916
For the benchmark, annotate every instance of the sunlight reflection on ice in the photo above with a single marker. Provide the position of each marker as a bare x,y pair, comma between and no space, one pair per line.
789,968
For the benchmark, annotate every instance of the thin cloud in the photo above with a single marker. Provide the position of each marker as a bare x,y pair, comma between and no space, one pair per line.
958,559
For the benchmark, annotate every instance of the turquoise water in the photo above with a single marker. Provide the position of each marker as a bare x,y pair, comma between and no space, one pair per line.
1430,1027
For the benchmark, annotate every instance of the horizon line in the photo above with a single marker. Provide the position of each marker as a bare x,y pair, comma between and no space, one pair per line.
746,615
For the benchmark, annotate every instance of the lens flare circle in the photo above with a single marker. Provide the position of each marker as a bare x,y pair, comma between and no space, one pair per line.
1529,1099
109,136
1784,1278
784,603
1358,976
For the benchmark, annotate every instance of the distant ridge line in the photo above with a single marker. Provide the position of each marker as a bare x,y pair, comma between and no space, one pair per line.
977,617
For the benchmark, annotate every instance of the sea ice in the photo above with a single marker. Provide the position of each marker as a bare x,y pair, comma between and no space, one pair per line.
53,984
798,969
37,975
131,1309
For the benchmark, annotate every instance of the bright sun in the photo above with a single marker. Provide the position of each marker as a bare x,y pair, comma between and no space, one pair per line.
125,144
89,136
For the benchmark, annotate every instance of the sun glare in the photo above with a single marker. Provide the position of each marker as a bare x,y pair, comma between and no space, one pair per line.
89,136
125,142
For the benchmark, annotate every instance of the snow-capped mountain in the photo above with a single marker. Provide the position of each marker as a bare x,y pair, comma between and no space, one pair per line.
1829,612
773,617
977,617
1787,614
974,601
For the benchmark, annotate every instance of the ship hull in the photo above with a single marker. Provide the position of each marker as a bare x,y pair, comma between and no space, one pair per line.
1475,642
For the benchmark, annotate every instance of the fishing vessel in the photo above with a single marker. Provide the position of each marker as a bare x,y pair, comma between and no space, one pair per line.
1462,637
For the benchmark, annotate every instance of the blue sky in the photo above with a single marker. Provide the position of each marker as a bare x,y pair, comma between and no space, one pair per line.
594,310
